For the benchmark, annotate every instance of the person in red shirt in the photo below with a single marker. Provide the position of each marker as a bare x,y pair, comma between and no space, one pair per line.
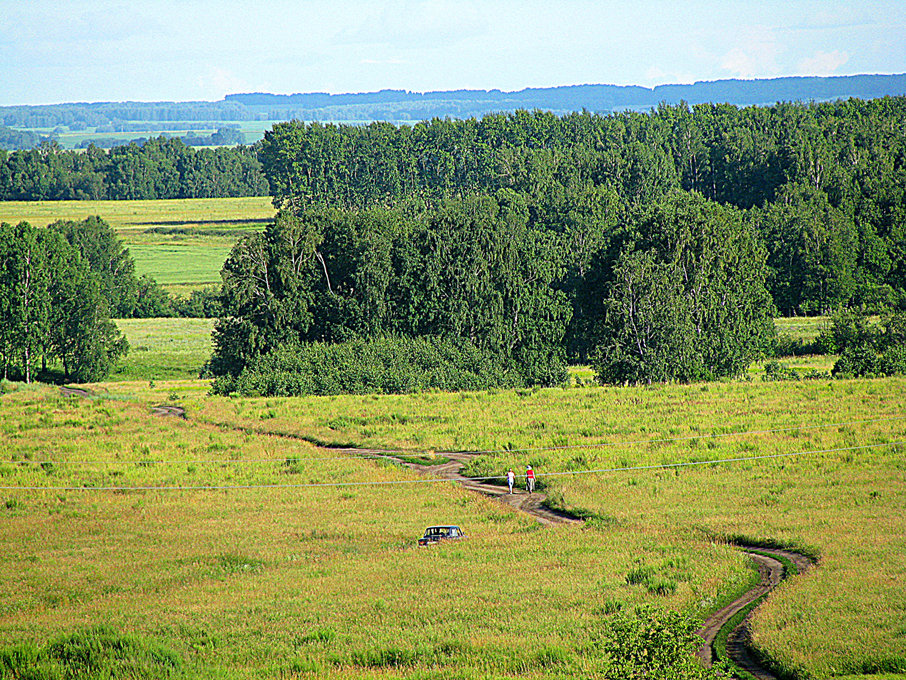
530,479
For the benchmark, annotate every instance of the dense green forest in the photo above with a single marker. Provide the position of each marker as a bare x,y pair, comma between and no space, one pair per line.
159,168
654,245
674,291
823,185
657,246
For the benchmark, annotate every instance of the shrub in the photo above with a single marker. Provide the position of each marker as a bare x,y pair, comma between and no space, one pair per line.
653,643
386,365
776,371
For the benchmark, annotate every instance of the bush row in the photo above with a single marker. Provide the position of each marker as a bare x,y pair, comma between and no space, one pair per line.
385,365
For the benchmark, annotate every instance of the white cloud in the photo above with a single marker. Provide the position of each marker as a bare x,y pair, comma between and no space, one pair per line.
217,82
755,57
823,63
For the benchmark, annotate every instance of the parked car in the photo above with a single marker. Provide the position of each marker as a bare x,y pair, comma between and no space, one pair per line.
440,533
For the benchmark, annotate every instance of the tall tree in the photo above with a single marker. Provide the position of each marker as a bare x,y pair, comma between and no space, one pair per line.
688,300
51,307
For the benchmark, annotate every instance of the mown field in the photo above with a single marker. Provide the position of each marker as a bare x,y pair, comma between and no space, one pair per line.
180,243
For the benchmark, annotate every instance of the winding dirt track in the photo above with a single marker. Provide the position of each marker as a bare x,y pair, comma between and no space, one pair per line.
771,570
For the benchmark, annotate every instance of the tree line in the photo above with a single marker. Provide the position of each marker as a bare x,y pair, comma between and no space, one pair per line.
823,184
654,246
159,168
674,291
54,308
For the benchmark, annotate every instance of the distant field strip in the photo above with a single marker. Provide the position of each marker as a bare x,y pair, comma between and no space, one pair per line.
140,214
180,243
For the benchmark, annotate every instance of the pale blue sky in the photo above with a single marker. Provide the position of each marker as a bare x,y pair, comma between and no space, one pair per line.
151,50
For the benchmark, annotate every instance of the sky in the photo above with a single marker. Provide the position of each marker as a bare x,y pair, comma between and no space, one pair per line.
54,51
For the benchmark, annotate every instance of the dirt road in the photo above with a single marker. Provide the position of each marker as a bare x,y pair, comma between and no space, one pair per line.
771,570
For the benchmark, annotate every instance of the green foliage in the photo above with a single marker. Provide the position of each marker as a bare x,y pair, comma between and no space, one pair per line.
825,182
157,168
94,653
386,365
201,304
687,301
866,349
470,270
52,308
652,643
114,270
788,346
774,371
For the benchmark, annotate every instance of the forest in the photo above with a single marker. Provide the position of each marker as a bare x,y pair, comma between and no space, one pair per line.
655,246
161,167
404,105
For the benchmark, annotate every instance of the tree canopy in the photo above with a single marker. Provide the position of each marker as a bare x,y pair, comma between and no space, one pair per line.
472,269
52,308
687,300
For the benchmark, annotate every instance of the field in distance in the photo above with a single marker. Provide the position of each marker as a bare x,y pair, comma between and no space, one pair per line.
180,243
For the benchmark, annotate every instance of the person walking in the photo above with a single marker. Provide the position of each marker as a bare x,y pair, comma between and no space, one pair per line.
529,479
510,479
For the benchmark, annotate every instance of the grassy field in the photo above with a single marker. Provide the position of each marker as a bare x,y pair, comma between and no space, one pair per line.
295,582
140,215
164,349
805,328
323,581
182,244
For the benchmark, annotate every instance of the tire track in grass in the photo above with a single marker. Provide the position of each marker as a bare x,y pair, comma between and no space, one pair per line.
768,560
773,571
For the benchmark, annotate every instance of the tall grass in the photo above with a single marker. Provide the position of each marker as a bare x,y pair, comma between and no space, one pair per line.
164,349
325,581
253,582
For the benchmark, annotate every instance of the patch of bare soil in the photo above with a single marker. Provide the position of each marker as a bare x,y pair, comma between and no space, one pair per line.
76,392
169,411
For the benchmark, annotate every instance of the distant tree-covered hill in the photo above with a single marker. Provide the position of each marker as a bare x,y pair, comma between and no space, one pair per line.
402,105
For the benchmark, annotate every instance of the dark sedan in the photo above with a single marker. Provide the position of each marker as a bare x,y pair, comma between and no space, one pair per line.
440,533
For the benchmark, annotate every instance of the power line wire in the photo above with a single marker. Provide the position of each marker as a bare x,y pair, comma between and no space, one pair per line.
445,479
389,453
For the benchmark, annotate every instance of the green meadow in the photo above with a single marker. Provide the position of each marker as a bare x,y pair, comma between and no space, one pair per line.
164,349
180,243
263,575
